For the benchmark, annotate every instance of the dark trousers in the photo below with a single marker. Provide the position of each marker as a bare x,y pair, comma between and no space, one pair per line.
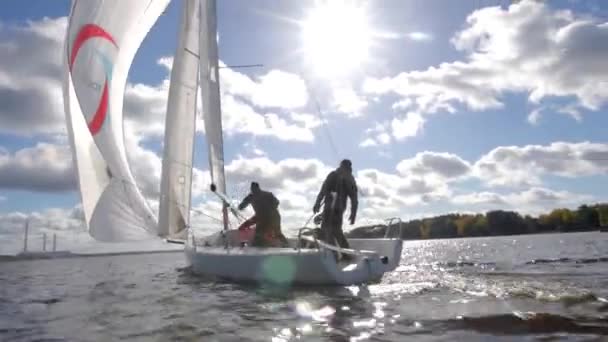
268,231
331,228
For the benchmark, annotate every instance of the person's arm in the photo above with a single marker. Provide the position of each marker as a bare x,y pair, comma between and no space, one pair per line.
245,202
321,194
275,201
354,201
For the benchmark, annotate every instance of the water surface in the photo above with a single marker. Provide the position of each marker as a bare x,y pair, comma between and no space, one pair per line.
521,288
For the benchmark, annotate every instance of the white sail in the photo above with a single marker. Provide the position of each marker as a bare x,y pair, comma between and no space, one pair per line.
210,90
101,41
176,180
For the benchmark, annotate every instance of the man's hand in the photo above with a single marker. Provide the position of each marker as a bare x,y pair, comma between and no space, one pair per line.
315,208
352,219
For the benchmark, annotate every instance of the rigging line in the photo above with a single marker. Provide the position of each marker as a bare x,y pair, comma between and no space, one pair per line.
325,126
327,131
322,117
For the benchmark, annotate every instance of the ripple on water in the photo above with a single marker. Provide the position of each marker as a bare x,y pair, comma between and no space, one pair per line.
453,290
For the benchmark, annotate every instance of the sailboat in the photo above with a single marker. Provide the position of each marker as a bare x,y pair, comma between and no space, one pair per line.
100,47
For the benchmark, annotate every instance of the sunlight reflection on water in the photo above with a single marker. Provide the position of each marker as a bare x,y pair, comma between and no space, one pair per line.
149,298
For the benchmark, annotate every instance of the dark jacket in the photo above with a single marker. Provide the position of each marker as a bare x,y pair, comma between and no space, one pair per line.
263,202
343,183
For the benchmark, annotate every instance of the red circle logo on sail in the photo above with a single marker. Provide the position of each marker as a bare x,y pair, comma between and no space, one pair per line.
87,32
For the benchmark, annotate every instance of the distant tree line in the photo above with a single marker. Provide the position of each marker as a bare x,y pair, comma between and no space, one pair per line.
493,223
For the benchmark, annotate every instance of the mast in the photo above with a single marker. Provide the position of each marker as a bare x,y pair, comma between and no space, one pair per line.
210,91
27,228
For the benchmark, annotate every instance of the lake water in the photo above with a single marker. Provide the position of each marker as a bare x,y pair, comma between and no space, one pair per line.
519,288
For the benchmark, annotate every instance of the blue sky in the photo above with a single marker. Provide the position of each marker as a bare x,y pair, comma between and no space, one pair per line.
469,79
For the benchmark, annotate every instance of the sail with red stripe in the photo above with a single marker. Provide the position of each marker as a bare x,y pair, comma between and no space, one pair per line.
101,41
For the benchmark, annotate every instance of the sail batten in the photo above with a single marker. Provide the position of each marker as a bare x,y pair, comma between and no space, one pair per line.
180,127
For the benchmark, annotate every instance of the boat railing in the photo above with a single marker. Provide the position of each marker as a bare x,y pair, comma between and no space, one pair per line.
320,244
345,250
300,237
390,224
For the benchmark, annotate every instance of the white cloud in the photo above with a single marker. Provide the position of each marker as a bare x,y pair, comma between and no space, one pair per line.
347,101
44,167
572,111
368,142
444,166
543,197
402,105
381,189
276,89
66,223
240,117
30,76
146,106
374,133
528,48
535,200
407,127
398,129
309,121
487,198
512,165
299,173
30,68
535,115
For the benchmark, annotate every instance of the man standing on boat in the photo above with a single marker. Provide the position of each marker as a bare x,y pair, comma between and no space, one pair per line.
339,185
267,218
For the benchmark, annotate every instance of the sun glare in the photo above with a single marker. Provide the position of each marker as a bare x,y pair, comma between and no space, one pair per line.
336,38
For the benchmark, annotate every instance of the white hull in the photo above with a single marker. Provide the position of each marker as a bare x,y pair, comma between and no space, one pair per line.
292,266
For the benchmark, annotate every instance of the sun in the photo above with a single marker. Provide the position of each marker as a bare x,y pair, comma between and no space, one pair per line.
336,38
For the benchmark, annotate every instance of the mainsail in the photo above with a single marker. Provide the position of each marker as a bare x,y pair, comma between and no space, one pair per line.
210,91
100,47
176,181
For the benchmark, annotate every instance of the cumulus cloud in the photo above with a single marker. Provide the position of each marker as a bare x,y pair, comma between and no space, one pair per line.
397,129
30,68
346,100
67,224
407,127
527,48
247,105
44,167
241,118
446,166
534,200
534,116
30,77
275,89
274,175
484,198
525,166
396,191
